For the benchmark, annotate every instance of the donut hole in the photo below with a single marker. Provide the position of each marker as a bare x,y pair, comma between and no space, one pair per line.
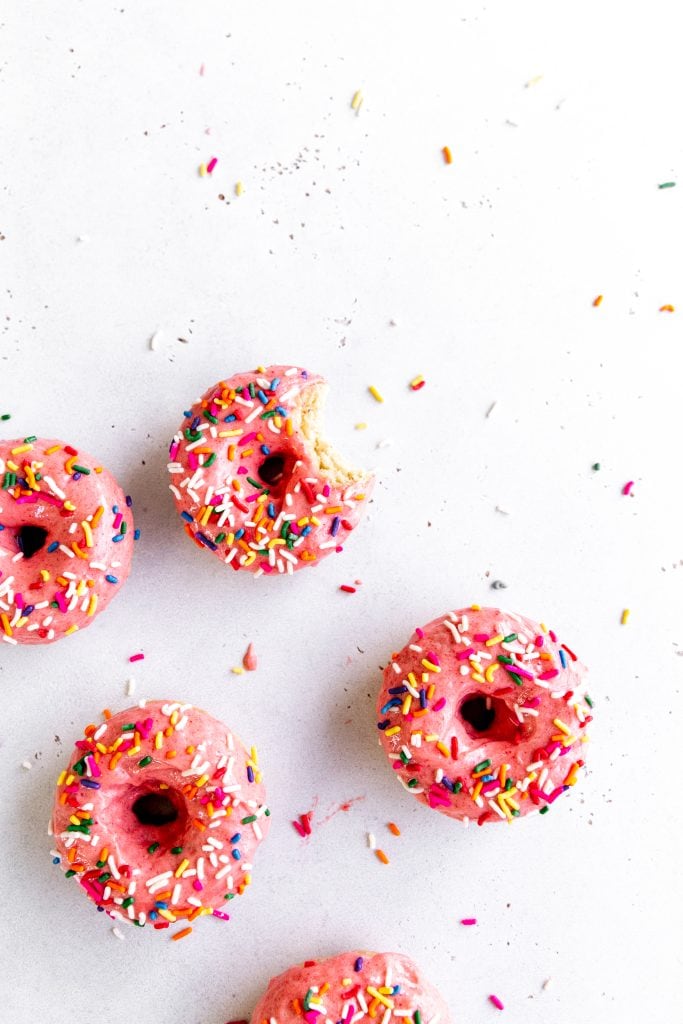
272,470
155,809
488,717
30,540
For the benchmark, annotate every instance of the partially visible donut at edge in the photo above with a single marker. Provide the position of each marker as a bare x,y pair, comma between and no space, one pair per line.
254,480
66,539
357,986
159,814
483,715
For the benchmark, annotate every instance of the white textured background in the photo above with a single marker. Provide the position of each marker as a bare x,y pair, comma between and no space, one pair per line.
489,268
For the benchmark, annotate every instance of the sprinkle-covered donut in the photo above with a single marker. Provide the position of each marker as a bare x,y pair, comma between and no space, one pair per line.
483,715
159,815
66,540
373,988
253,479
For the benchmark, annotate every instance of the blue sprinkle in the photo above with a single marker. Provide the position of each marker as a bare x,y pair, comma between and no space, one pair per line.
153,915
358,966
262,396
161,904
55,860
28,609
195,423
205,540
1,527
423,698
304,374
306,530
447,784
334,529
136,535
52,547
279,409
100,909
265,449
230,419
119,537
90,784
274,383
486,778
240,533
250,773
384,725
115,509
236,854
236,838
271,510
398,689
393,703
111,579
563,658
187,414
129,501
395,990
187,517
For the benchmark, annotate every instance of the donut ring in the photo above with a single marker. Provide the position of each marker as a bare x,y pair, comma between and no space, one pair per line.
253,480
66,540
359,987
483,715
159,814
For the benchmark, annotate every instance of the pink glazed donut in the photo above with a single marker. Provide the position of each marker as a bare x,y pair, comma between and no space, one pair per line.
159,815
254,481
352,987
483,715
66,540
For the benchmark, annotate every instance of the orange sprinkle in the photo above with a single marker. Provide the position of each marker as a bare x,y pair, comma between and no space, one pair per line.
394,829
447,155
667,309
597,300
181,934
381,855
106,714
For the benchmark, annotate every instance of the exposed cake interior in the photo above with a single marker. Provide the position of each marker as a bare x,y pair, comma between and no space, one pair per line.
307,419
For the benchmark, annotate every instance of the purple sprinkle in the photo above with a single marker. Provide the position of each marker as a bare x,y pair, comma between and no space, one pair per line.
358,966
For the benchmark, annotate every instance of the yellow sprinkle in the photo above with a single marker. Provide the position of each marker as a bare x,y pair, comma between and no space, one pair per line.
493,640
478,677
357,101
392,732
375,393
69,506
443,749
202,170
373,991
361,426
62,776
239,188
45,575
625,616
5,624
416,380
560,725
475,607
92,604
71,629
22,448
88,533
167,914
405,708
428,665
53,449
181,867
544,628
201,780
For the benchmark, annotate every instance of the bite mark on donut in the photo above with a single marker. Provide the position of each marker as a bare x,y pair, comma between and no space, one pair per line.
307,418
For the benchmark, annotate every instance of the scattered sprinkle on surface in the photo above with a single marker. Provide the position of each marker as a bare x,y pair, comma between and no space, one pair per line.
372,842
154,340
239,188
250,661
417,383
625,615
468,921
375,393
357,101
667,184
628,487
347,588
597,301
447,155
27,765
394,829
381,856
118,934
498,585
130,686
496,1002
533,81
361,426
668,308
596,467
137,657
182,934
6,416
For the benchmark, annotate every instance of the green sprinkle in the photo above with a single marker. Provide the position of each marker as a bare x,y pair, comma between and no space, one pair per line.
457,786
508,784
191,435
10,480
6,416
252,390
79,767
145,761
505,660
83,829
514,813
544,810
596,467
124,527
177,849
220,538
588,701
153,848
665,184
128,727
412,783
268,415
138,923
70,873
210,461
517,679
509,638
254,483
209,417
104,877
29,440
229,896
100,863
267,812
404,757
482,764
417,1017
248,820
81,469
127,902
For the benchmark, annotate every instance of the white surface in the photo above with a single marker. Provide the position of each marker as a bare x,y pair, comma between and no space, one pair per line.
489,267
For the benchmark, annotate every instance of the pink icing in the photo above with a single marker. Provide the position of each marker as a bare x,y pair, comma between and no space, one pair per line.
80,566
211,783
249,489
350,977
527,717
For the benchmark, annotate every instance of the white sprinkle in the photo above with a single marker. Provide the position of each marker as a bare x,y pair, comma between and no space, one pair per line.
547,983
130,686
490,409
372,842
26,765
118,934
155,339
503,511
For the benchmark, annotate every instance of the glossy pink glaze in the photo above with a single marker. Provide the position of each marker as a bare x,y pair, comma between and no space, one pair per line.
349,996
219,497
66,588
207,781
518,707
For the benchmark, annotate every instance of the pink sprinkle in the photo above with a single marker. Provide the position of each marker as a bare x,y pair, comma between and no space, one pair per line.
192,461
439,704
299,828
137,657
496,1002
246,439
326,491
347,589
519,671
19,601
221,914
539,641
419,633
201,70
197,885
481,638
550,674
461,655
468,921
211,164
250,661
174,450
626,489
434,658
118,519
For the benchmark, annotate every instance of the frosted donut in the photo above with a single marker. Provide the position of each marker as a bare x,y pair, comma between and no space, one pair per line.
159,815
254,481
358,987
66,540
483,715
